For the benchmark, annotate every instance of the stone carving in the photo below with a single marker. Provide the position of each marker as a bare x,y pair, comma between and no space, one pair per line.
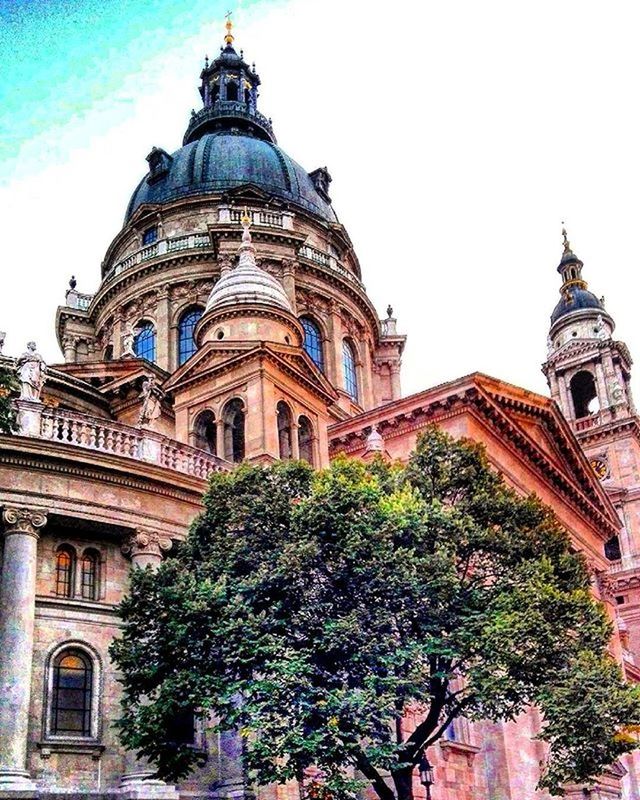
616,392
601,331
128,338
23,520
151,398
32,373
3,336
146,543
605,584
375,442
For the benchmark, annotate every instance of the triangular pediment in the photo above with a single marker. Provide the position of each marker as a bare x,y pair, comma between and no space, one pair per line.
108,376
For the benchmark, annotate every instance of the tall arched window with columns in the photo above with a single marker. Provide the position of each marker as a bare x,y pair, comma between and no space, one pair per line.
186,326
349,368
313,342
65,570
233,420
144,345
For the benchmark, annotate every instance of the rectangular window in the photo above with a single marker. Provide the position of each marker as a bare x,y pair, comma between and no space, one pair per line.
150,235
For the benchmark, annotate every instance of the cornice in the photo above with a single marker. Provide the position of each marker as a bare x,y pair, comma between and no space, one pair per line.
616,428
65,459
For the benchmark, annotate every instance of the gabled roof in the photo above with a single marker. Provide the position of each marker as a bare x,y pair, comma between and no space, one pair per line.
532,423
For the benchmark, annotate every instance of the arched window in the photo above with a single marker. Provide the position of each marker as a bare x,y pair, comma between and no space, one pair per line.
233,418
65,571
305,439
205,432
612,549
89,574
232,90
71,694
285,425
144,345
584,394
313,342
186,344
349,367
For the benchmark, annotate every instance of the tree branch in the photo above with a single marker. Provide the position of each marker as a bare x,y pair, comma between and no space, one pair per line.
383,791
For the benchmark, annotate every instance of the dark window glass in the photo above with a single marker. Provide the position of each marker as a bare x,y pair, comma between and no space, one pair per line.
71,694
65,562
205,432
349,366
89,575
232,90
144,344
150,235
284,430
186,344
183,729
234,431
313,342
612,549
305,440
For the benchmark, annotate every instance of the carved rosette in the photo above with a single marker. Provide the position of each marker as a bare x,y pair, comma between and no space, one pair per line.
24,521
146,545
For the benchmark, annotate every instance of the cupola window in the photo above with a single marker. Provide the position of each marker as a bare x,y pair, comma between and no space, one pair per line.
186,326
232,91
234,431
284,430
144,345
349,367
313,342
205,432
305,440
150,235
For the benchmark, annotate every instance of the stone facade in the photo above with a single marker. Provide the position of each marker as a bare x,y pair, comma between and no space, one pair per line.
231,323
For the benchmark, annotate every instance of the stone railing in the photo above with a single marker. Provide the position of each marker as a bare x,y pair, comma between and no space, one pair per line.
78,300
632,561
227,108
106,436
259,217
328,262
192,241
586,423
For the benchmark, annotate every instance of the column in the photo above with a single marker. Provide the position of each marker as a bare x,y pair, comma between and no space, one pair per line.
145,548
164,332
17,615
394,368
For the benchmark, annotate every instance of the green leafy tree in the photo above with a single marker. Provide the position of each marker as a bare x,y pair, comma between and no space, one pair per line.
8,387
312,612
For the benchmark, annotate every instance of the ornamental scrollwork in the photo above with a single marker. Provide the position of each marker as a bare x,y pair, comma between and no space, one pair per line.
23,520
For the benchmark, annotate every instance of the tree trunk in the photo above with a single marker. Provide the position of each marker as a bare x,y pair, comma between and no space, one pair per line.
403,781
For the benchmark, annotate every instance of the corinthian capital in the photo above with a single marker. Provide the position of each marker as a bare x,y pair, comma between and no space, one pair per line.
23,520
146,544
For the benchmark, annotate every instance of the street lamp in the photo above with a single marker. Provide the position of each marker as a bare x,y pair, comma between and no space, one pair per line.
426,774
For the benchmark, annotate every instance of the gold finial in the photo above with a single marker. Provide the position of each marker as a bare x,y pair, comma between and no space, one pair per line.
565,240
246,219
229,25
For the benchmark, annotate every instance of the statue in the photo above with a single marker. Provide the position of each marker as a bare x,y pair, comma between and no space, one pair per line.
150,396
3,336
128,338
31,371
617,394
601,331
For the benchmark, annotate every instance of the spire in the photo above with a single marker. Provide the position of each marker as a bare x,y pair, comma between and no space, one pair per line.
229,25
246,251
570,266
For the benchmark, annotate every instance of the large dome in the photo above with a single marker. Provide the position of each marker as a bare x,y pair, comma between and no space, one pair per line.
226,160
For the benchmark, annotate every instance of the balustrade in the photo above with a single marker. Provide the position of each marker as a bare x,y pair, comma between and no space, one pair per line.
172,244
93,433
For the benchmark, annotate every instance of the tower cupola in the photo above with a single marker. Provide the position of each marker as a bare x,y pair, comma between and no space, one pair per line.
575,295
229,92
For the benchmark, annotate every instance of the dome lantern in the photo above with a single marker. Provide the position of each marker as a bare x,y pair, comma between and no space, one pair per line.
229,92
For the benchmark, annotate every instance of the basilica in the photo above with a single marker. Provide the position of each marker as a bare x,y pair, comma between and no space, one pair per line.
231,323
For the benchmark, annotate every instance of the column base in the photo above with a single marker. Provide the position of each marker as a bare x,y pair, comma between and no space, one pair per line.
16,783
140,786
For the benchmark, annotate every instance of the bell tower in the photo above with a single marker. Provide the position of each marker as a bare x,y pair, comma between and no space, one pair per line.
589,374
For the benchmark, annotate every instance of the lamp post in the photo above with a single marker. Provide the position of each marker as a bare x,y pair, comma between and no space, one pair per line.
426,774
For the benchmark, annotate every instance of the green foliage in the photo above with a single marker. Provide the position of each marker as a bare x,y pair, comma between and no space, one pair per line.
8,387
311,611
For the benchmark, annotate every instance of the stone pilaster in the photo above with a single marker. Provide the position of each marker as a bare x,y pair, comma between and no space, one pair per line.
145,548
17,615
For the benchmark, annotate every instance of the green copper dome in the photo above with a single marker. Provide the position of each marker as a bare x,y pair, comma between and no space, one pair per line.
217,162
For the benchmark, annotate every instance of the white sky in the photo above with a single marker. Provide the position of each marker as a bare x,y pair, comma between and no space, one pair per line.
459,134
